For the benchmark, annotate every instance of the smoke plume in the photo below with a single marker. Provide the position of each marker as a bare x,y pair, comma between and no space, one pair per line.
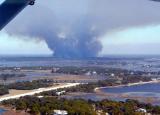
72,28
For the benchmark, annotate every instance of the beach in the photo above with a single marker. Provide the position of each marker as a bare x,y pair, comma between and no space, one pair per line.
129,84
147,92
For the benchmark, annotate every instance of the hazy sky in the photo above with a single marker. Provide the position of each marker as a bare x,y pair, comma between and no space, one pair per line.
123,26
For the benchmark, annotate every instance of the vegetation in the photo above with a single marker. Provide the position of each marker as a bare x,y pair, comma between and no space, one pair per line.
30,85
135,79
129,107
99,71
89,88
3,90
46,105
6,76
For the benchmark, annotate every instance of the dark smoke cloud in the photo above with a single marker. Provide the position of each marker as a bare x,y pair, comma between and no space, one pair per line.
68,39
72,28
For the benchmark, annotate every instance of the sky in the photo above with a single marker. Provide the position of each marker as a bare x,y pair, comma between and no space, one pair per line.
22,46
84,27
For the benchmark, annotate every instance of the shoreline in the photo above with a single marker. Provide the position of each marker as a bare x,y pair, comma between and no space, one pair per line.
122,96
129,84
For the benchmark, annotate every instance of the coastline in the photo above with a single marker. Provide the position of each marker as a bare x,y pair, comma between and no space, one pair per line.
127,85
124,96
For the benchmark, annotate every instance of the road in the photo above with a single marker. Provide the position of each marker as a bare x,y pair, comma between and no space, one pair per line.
32,92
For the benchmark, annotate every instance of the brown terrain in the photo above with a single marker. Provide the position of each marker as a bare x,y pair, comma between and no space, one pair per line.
12,112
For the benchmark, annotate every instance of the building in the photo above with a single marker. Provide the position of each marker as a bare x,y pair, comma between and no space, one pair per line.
60,93
101,112
54,70
141,110
88,73
40,96
60,112
107,114
112,74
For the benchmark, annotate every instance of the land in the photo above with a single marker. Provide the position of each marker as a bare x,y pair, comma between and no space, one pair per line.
19,99
13,94
46,105
42,83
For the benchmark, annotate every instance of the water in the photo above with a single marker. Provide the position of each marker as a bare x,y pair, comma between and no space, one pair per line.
85,96
152,89
135,63
148,93
142,63
2,111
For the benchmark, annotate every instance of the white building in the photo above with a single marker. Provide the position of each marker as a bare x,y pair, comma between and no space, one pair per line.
94,73
60,93
141,110
60,112
40,96
112,75
88,73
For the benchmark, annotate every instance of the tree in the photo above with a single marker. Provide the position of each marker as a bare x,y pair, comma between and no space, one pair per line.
34,109
21,105
45,110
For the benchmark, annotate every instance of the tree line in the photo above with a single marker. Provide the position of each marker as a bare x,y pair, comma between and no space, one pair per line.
46,105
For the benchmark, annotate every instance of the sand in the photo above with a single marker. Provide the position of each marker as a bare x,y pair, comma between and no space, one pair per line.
14,94
129,84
